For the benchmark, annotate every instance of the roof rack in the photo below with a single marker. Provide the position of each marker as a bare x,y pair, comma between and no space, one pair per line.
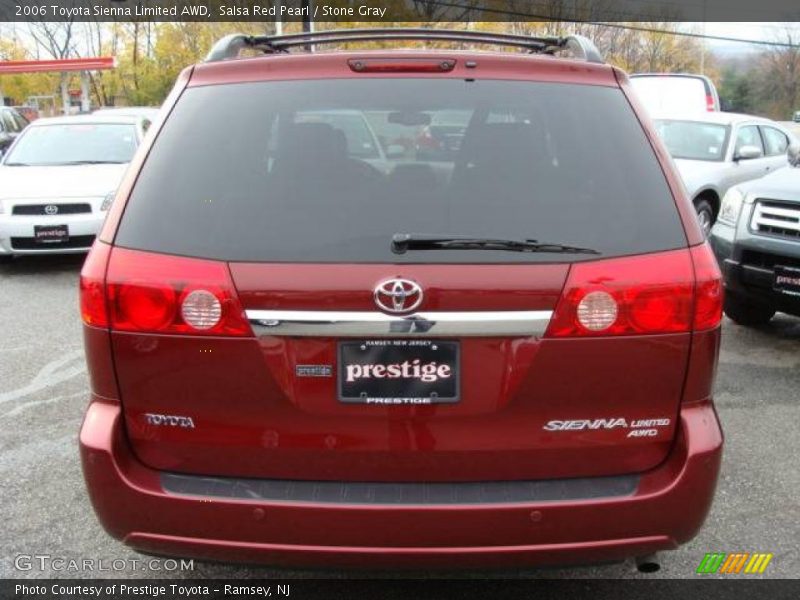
230,46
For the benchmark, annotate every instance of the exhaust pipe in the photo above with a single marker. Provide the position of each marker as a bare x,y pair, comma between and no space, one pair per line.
648,563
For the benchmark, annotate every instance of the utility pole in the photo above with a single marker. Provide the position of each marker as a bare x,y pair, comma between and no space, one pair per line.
703,43
308,23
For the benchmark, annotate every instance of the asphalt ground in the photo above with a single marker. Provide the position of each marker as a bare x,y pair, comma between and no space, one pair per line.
45,509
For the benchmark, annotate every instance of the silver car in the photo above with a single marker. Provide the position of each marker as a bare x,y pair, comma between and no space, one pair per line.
716,150
757,243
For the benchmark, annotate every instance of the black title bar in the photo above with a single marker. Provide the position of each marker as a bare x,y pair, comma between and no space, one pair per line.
388,11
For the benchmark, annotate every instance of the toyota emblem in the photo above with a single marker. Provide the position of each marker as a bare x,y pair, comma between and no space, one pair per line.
398,295
51,209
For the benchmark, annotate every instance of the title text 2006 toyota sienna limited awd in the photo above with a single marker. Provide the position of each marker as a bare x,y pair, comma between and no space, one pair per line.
307,352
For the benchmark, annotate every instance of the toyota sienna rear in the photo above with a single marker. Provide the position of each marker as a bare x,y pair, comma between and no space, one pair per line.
311,344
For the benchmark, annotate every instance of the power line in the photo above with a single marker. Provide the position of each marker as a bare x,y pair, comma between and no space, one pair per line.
689,34
515,13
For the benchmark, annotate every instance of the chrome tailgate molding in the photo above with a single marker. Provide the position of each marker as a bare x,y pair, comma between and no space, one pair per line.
421,324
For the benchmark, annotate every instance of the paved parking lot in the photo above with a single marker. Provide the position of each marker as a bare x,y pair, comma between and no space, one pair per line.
43,387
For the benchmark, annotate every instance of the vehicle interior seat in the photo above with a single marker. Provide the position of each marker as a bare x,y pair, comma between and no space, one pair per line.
500,163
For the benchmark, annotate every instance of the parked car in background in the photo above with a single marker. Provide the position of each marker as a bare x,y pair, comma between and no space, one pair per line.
714,151
11,125
757,242
440,140
298,358
676,92
354,135
148,112
57,181
30,113
796,116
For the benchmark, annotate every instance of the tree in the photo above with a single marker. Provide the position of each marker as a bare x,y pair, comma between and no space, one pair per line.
737,88
779,76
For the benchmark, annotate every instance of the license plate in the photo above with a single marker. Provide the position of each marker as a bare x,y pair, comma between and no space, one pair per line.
787,280
392,372
50,234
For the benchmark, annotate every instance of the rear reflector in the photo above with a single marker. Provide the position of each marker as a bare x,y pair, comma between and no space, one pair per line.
170,294
640,295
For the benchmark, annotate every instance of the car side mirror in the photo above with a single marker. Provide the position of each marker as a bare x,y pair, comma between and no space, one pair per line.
748,153
793,154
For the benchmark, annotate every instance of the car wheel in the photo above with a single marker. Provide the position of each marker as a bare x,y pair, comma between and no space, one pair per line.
746,313
705,214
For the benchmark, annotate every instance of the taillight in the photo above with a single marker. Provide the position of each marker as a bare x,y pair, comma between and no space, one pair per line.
710,103
639,295
92,289
170,294
708,286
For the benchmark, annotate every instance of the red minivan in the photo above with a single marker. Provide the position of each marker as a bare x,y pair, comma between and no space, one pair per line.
311,344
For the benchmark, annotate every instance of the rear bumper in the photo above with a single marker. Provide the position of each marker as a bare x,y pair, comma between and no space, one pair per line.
666,509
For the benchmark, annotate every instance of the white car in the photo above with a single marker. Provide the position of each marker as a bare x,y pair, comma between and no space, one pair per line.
685,92
58,179
716,150
148,112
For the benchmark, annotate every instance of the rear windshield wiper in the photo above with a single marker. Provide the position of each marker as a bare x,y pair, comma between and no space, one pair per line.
402,242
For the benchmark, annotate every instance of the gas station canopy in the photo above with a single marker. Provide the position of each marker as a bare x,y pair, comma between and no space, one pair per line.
99,63
63,66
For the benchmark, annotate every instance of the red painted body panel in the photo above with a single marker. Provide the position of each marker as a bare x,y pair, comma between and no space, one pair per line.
702,366
263,422
447,287
253,418
322,65
133,507
102,378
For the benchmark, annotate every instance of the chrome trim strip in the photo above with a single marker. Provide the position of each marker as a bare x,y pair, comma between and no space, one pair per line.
769,215
421,324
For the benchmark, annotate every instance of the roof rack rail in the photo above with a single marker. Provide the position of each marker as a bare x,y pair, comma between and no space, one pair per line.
230,46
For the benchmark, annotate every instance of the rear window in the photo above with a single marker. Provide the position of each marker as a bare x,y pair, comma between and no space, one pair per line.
291,175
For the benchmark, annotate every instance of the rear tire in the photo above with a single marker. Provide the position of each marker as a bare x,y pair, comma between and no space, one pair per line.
746,313
705,214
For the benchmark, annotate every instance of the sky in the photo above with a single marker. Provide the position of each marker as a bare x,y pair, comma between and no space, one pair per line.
756,31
